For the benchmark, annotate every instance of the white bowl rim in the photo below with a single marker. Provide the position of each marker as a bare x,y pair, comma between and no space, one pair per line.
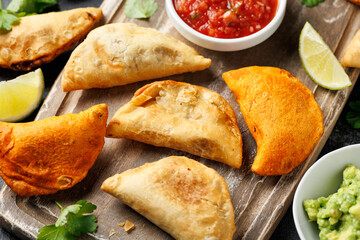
309,172
278,16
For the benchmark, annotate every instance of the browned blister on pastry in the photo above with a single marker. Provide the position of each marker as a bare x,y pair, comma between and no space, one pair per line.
40,38
351,57
121,53
52,154
281,113
181,116
181,196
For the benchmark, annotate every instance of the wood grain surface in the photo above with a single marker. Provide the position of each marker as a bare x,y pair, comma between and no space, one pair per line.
259,202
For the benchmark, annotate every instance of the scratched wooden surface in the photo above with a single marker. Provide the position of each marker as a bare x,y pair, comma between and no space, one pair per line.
259,202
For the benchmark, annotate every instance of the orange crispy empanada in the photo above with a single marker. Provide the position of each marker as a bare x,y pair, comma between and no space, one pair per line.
52,154
281,113
40,38
181,196
121,53
181,116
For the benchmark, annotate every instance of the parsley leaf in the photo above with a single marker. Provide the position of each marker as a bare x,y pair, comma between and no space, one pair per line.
27,6
71,222
30,6
7,18
42,4
353,117
78,225
20,8
140,8
52,232
311,3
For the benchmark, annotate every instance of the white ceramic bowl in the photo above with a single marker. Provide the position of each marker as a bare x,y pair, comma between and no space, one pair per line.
322,179
226,45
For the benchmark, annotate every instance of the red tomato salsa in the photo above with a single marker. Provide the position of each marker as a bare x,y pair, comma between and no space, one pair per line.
226,18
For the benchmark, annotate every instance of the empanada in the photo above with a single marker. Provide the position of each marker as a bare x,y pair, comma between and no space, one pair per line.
351,57
121,53
281,113
181,196
52,154
181,116
40,38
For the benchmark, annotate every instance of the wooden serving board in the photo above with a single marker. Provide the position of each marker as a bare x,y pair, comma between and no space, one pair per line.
259,202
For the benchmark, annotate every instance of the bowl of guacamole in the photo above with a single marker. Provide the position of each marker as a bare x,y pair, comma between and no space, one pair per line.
327,200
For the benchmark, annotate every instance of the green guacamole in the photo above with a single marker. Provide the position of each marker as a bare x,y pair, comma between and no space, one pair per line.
338,216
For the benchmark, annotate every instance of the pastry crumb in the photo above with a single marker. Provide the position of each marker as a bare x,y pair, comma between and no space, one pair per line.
128,226
121,224
112,232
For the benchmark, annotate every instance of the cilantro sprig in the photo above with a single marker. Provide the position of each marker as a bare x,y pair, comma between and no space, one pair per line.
30,6
19,8
353,117
311,3
7,19
71,223
140,8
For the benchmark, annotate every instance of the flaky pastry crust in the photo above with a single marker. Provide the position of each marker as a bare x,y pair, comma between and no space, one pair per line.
351,57
121,53
52,154
181,116
181,196
40,38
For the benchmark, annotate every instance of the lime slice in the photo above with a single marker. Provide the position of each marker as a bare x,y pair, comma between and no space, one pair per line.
21,96
319,61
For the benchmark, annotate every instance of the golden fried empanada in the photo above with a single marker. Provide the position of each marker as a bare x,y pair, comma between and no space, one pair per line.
181,196
351,57
52,154
181,116
40,38
121,53
281,113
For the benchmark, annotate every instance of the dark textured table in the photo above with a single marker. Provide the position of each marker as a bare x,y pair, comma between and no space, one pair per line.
342,135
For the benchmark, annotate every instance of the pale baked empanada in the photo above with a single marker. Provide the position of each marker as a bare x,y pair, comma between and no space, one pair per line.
281,113
181,116
45,156
351,57
40,38
181,196
121,53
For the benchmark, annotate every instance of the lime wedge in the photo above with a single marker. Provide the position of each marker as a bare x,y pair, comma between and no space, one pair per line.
319,61
21,96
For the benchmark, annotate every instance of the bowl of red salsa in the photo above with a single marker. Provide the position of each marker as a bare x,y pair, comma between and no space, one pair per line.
226,25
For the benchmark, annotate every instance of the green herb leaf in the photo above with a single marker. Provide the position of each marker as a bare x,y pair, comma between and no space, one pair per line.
64,213
52,232
42,4
71,222
7,18
30,6
86,207
77,225
27,6
140,8
353,117
311,3
193,16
